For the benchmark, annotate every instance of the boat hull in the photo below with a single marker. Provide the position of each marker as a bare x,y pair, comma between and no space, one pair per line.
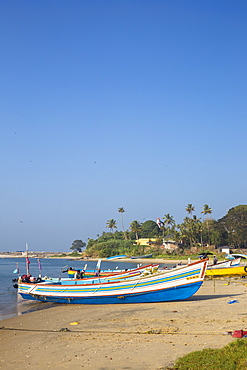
176,284
164,295
227,271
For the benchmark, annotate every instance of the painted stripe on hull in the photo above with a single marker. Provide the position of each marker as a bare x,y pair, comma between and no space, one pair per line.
164,295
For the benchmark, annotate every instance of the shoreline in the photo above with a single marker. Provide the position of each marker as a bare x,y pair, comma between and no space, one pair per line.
145,261
137,336
133,260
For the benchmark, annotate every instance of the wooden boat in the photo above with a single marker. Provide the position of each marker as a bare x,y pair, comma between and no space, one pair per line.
176,284
123,276
227,271
235,255
93,273
145,256
117,257
229,263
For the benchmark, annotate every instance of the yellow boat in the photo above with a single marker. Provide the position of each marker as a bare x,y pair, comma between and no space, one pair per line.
227,271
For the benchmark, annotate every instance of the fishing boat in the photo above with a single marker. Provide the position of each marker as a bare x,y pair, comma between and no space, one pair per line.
145,256
115,275
227,271
126,275
235,255
98,272
120,275
117,257
177,284
229,263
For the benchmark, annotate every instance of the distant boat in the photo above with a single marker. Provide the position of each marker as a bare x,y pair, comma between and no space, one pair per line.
145,256
236,255
169,285
116,257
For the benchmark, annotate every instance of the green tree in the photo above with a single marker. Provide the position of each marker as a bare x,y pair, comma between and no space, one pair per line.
190,209
207,211
217,233
169,222
111,224
121,211
136,228
191,230
149,229
235,225
78,245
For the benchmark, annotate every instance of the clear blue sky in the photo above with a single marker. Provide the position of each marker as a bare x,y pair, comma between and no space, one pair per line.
104,104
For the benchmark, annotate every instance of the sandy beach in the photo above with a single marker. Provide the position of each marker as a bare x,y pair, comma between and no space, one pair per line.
137,336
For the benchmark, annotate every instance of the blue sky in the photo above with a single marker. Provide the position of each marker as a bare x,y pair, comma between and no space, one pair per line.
108,104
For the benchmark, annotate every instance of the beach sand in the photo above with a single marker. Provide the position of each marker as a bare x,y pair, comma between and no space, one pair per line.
136,336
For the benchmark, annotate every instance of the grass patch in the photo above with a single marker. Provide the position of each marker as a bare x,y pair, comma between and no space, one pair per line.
231,357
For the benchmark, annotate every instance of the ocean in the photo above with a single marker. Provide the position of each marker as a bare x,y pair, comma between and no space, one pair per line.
11,304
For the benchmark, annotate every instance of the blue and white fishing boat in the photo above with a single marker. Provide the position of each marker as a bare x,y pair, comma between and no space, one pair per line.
168,285
121,275
117,257
98,272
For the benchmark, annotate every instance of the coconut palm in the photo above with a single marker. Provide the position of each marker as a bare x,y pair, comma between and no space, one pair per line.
111,224
190,209
169,221
206,210
191,229
121,211
135,227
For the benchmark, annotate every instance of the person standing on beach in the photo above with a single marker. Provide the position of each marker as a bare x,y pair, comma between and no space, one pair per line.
215,260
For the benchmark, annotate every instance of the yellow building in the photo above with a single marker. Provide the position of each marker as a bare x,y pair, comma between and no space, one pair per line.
167,244
146,241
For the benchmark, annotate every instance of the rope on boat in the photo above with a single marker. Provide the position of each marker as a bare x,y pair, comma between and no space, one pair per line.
147,332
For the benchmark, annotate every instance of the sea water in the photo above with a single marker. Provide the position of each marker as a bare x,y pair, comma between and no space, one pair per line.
11,303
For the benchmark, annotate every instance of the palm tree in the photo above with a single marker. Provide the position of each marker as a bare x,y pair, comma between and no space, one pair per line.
121,211
169,221
186,230
135,227
206,210
111,224
190,209
191,229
